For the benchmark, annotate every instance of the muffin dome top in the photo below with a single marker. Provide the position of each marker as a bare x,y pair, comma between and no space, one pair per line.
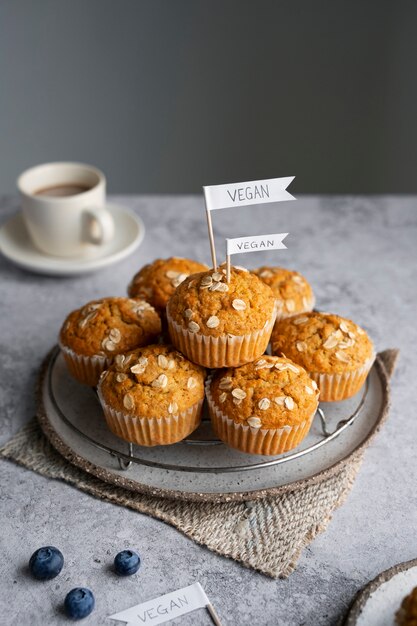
205,303
157,281
110,326
152,381
322,342
272,392
294,294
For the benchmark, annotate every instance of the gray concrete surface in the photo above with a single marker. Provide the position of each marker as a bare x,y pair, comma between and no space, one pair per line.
360,255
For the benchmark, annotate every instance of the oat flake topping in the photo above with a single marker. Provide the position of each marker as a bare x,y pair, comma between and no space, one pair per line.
300,320
140,366
264,404
239,305
160,382
213,321
128,401
289,403
163,361
193,327
225,383
239,393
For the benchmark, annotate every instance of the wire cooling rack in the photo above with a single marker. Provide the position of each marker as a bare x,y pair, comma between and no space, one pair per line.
125,459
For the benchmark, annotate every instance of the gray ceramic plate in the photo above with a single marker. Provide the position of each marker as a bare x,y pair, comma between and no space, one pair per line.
378,602
200,469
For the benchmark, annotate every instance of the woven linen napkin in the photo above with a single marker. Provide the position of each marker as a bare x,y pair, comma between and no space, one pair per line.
267,534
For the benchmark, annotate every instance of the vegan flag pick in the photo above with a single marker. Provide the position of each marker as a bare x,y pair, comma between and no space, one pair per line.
240,245
243,194
167,607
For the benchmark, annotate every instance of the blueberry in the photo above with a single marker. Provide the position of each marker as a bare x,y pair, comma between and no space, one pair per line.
79,603
46,563
126,563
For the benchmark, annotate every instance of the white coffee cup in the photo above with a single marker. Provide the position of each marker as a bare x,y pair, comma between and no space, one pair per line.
64,207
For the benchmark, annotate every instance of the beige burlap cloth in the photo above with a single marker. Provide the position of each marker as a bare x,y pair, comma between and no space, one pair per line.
267,534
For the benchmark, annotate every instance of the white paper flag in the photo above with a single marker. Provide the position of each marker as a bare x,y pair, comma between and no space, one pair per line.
165,607
256,243
251,192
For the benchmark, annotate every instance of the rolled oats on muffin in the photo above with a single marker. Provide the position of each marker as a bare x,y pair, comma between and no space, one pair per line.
92,335
152,396
157,281
220,324
293,292
336,352
265,407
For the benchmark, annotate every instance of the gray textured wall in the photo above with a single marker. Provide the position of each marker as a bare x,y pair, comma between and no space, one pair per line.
168,95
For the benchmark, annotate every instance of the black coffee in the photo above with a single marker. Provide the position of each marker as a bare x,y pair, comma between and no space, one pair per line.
58,191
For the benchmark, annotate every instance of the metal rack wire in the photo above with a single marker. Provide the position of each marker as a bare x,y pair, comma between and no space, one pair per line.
125,459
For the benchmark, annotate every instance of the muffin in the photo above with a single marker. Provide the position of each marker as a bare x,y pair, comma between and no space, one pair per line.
157,281
92,335
293,293
265,407
152,396
220,324
407,613
336,352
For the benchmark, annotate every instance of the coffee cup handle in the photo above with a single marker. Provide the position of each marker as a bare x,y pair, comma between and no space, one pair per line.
98,226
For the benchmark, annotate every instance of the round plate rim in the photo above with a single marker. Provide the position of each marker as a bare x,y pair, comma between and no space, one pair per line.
120,481
364,594
71,267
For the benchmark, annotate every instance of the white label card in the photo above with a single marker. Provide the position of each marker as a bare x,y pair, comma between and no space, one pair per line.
257,243
251,192
165,607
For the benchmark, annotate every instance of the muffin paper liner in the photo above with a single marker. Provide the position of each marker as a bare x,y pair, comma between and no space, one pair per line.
281,315
86,369
334,387
226,351
266,441
152,431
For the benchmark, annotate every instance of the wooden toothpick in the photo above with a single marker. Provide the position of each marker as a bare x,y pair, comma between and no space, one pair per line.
211,238
227,262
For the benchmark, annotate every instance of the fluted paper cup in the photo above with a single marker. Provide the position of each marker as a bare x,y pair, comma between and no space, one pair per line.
265,441
335,387
152,431
225,351
85,369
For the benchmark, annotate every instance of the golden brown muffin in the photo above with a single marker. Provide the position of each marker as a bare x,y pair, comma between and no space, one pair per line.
157,281
152,395
265,407
407,613
293,293
336,352
92,335
220,324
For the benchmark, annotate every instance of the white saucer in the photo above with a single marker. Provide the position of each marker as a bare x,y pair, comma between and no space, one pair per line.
16,246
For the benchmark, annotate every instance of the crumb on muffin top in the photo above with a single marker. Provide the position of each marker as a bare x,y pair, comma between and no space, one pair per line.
294,294
154,381
322,342
205,303
271,392
157,281
110,326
